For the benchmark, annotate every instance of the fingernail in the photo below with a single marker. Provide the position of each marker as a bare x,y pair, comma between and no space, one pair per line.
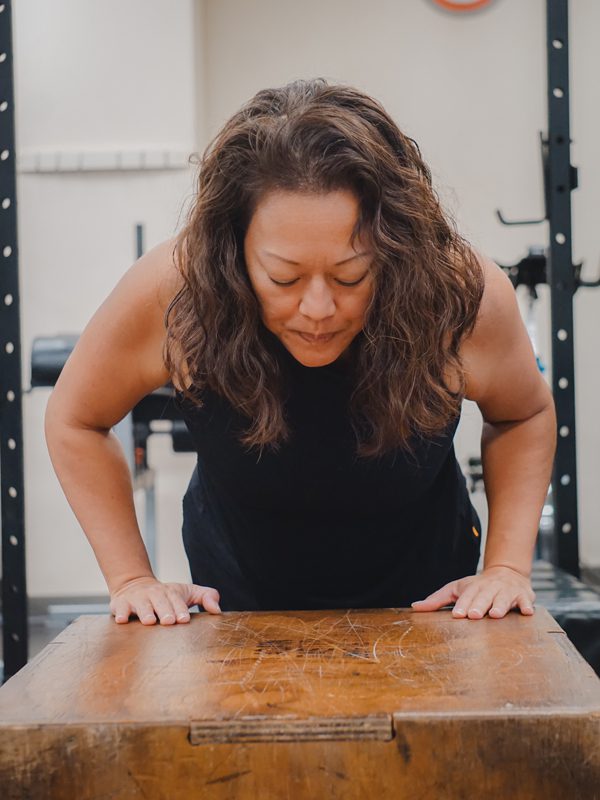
417,602
459,610
183,616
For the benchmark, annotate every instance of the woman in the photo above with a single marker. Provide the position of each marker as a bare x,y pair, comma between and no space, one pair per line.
321,320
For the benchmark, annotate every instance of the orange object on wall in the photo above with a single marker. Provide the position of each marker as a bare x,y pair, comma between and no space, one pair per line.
462,5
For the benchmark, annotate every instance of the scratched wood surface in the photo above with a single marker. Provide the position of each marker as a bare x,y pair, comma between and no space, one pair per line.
310,704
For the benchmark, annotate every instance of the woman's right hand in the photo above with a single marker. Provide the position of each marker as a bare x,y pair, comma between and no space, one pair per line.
149,598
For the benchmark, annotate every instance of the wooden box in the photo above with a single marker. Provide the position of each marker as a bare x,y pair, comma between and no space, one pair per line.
310,704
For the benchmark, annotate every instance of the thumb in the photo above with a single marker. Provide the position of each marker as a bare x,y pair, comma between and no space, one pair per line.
205,596
442,597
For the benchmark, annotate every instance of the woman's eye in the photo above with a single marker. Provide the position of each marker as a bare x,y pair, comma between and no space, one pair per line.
284,283
342,283
353,283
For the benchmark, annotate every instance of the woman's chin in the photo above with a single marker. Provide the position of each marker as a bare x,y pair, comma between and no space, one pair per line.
314,354
308,361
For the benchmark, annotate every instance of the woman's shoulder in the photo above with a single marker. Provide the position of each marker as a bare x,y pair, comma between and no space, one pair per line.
168,281
497,325
139,303
122,346
498,304
163,273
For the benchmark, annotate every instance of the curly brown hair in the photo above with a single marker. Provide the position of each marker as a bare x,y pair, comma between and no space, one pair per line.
312,136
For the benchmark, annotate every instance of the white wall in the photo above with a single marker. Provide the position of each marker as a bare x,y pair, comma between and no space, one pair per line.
102,78
154,77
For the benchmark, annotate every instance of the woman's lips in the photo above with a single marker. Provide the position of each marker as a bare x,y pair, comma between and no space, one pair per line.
320,339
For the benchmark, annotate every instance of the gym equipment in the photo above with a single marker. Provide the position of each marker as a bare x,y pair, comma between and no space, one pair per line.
353,704
12,500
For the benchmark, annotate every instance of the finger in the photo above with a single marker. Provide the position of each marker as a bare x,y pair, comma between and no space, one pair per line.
207,597
439,598
466,601
504,602
501,605
121,611
163,606
180,608
481,604
145,612
525,605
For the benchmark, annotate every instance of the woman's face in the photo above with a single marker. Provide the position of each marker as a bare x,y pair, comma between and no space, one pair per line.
313,287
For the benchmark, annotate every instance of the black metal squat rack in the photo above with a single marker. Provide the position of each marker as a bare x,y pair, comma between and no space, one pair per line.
14,589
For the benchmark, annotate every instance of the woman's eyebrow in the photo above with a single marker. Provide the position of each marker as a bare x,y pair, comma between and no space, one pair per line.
297,263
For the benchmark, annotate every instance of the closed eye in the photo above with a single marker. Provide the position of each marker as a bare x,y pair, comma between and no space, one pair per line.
284,283
342,283
352,283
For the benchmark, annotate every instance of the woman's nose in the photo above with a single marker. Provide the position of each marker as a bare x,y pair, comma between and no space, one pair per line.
317,301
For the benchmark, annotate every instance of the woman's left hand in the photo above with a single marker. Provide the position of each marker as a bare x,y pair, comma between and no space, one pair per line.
495,590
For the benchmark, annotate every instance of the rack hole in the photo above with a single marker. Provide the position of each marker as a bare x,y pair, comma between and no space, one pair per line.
10,396
8,299
2,58
557,44
7,251
560,188
12,491
562,335
567,527
15,637
565,480
12,445
564,430
4,155
13,540
6,203
3,105
558,92
563,383
10,348
560,238
14,588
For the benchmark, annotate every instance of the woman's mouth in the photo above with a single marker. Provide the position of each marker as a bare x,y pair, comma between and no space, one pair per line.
322,338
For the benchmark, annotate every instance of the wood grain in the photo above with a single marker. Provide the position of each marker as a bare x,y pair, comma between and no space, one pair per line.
304,704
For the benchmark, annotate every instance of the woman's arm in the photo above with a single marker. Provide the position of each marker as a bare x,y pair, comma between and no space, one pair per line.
518,444
519,429
517,465
117,361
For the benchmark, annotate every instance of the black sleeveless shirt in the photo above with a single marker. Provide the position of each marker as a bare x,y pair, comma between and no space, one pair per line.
313,525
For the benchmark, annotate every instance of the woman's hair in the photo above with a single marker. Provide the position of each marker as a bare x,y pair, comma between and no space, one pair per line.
310,136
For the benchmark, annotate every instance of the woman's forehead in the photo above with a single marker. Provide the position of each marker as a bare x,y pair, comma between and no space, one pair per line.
303,221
